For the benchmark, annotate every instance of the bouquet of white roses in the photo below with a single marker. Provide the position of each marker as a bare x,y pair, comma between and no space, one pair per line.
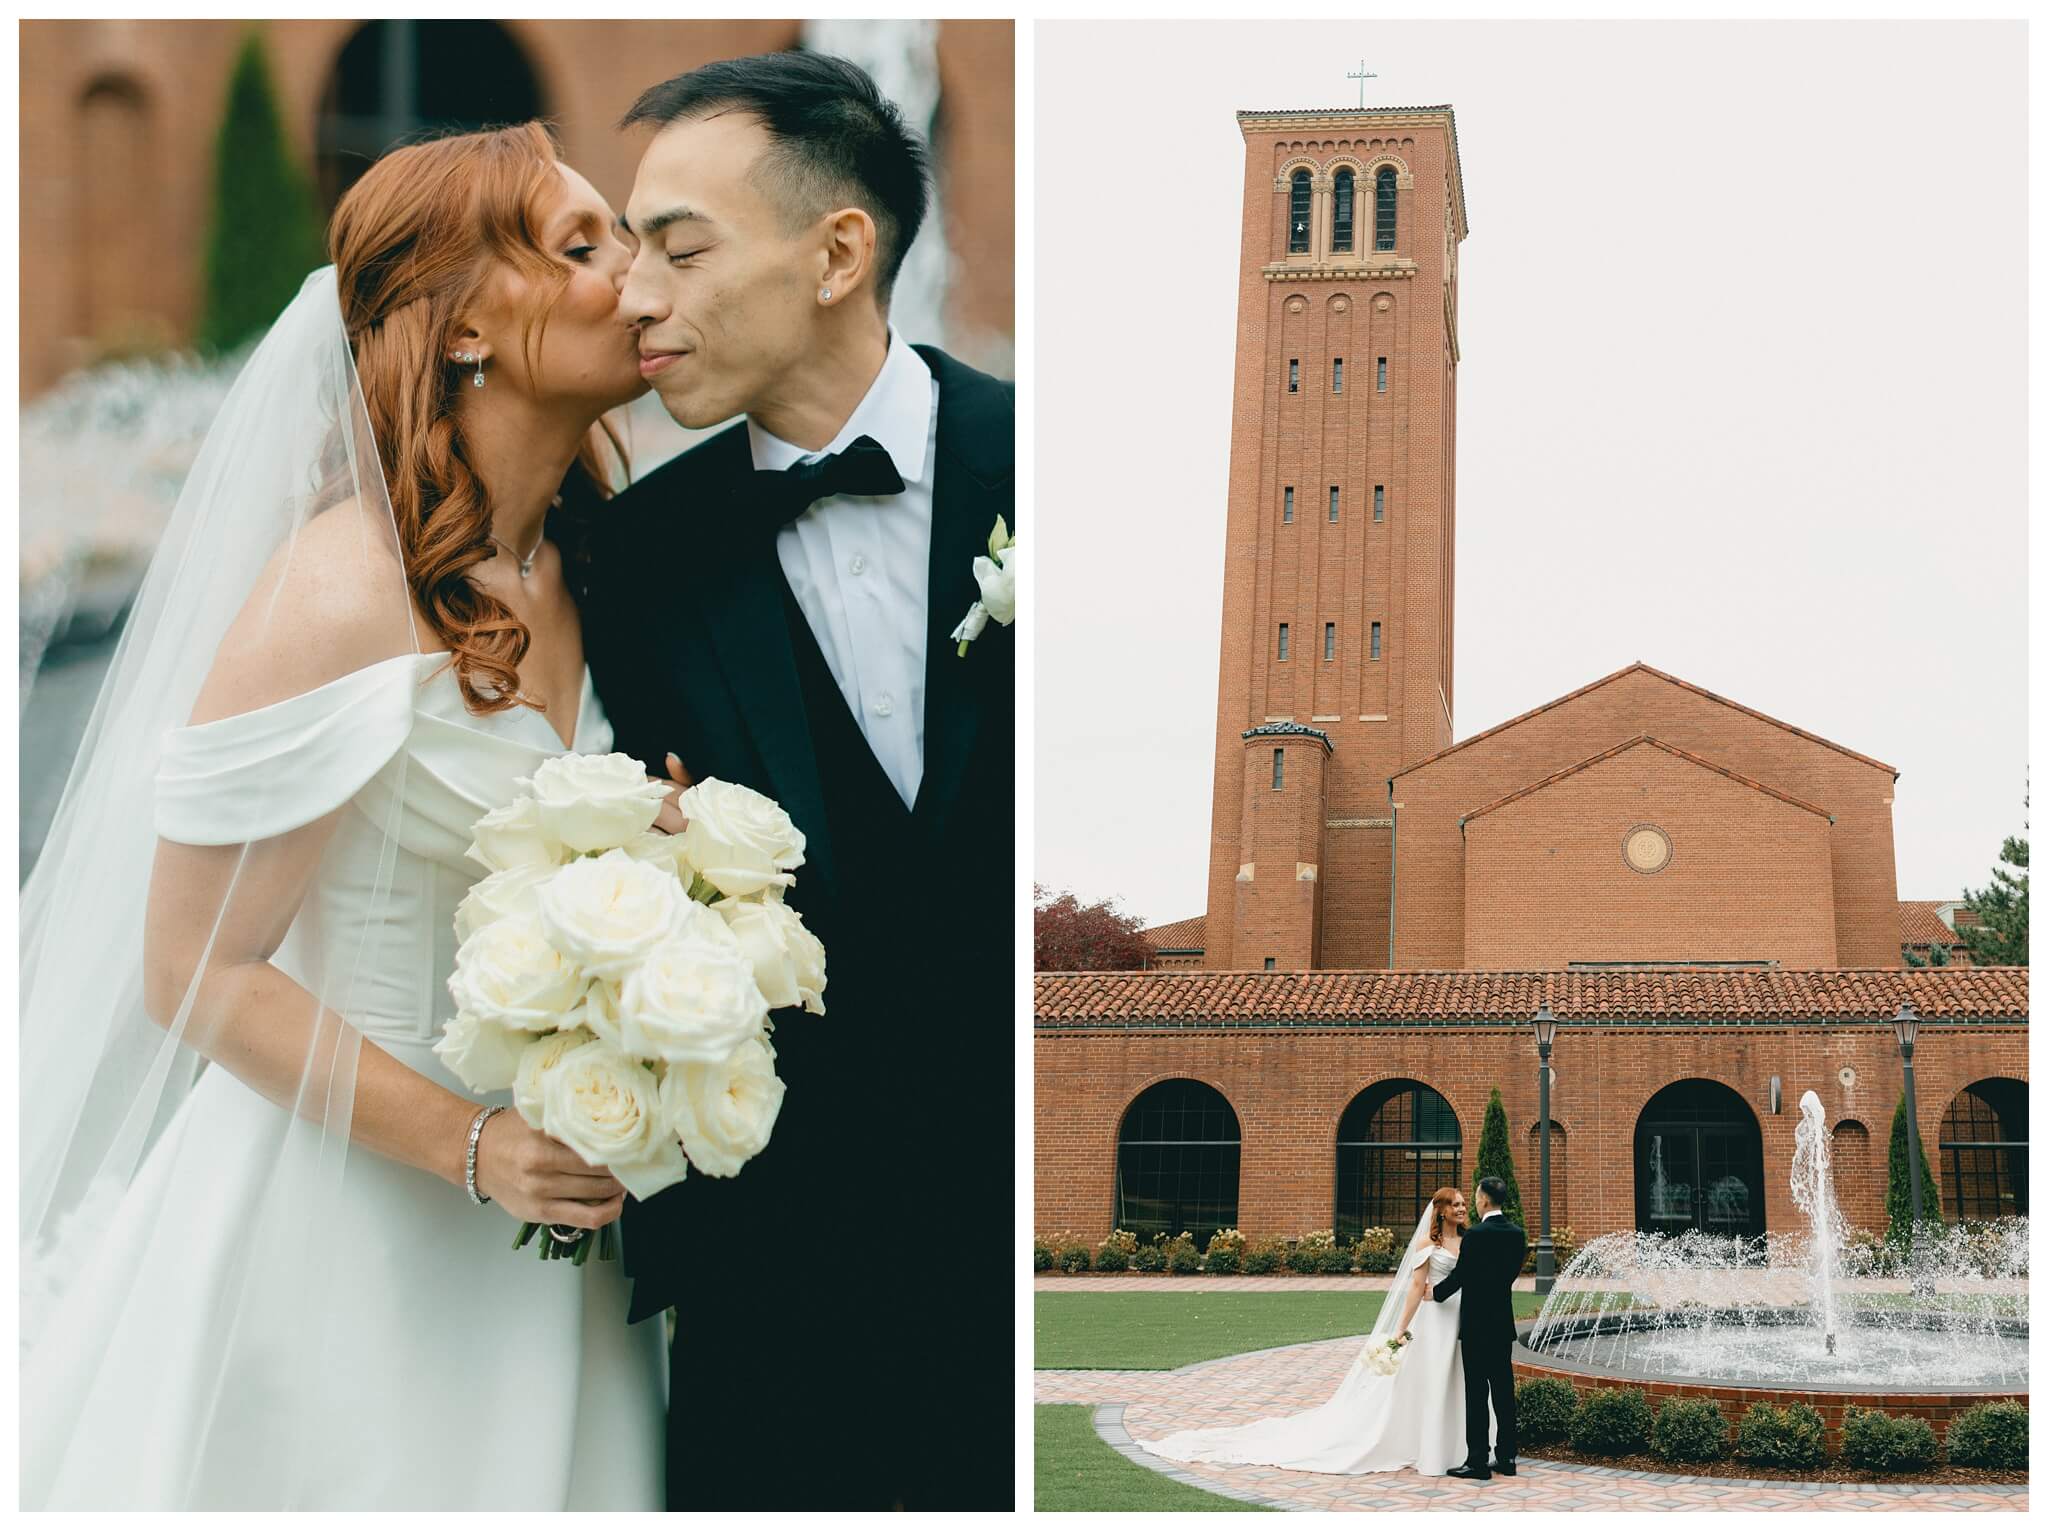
618,981
1382,1353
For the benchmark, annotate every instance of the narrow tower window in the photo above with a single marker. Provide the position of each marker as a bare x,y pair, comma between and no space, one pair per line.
1269,964
1294,374
1297,215
1375,640
1287,504
1333,502
1337,374
1279,770
1379,502
1329,641
1383,375
1283,642
1383,209
1340,227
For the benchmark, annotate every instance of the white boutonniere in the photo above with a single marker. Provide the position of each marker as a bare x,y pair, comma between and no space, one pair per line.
997,576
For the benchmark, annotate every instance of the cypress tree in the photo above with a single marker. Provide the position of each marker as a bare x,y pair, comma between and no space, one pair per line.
1898,1185
266,232
1496,1158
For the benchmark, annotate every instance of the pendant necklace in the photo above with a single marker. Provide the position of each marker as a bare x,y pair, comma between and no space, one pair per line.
525,559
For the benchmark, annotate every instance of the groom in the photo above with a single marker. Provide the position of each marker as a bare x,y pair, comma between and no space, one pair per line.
1489,1259
775,608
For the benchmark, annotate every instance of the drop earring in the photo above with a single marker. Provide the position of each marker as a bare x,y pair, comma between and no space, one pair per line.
478,380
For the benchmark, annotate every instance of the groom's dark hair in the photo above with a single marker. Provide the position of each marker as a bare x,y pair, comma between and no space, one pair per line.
1495,1190
836,141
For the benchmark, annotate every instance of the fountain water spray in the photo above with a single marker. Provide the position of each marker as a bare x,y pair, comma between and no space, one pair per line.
1813,1192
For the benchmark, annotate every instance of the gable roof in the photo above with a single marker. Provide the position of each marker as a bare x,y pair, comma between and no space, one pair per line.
1921,925
1605,680
1670,749
1189,935
1611,996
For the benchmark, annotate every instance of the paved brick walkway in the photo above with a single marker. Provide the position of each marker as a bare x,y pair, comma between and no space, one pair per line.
1296,1377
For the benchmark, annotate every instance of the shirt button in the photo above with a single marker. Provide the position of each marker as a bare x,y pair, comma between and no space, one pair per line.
859,564
884,705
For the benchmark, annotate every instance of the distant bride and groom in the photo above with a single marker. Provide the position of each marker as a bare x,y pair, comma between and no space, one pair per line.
1448,1407
266,1234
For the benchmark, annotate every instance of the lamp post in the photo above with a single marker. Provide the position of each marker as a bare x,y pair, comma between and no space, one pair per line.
1546,1257
1905,1026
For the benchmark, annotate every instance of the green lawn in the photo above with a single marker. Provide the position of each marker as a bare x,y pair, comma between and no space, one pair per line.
1076,1471
1157,1331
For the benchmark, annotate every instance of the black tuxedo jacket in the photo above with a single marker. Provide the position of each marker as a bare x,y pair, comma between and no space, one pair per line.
1489,1259
899,1110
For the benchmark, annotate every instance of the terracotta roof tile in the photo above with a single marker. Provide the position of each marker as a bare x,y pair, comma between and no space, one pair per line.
1669,749
1608,996
1661,675
1919,925
1189,935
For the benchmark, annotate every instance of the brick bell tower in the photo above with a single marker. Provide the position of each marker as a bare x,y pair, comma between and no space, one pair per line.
1338,571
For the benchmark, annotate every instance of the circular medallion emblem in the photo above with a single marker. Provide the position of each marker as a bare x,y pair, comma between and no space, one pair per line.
1646,848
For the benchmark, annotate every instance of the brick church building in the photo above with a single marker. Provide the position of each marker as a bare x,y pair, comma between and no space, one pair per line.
1703,895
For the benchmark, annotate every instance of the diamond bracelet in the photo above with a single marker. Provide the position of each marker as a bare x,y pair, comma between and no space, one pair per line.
476,1130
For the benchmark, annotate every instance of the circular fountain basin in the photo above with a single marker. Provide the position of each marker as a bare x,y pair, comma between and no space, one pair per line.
1923,1363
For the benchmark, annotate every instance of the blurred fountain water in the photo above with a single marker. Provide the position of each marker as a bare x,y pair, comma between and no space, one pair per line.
1814,1307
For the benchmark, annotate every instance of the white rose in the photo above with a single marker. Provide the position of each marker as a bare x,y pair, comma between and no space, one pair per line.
998,583
483,1054
513,836
599,1013
742,842
595,802
509,972
724,1112
789,962
607,912
536,1061
693,999
661,850
607,1109
514,891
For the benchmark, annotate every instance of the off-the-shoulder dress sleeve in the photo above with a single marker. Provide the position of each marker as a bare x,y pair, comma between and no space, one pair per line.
262,773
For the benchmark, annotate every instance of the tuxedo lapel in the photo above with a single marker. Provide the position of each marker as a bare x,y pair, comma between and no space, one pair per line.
972,485
740,597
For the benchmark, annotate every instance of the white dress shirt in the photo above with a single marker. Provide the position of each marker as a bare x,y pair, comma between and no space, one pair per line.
860,565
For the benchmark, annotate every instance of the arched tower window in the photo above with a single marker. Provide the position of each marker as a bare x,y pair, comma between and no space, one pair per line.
1383,209
1297,214
1340,224
396,80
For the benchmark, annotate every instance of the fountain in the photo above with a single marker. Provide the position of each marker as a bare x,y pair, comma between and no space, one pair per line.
1813,1316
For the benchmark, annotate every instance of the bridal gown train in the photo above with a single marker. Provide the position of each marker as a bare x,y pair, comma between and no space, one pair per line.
1372,1423
456,1374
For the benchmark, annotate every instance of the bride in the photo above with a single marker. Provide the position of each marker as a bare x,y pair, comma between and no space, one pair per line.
266,1236
1373,1423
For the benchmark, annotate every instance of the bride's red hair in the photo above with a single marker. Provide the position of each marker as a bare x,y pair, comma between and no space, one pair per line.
413,243
1439,1209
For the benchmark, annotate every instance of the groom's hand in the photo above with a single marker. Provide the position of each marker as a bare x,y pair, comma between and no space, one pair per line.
670,820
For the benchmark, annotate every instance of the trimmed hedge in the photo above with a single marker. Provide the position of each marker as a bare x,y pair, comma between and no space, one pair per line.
1790,1437
1612,1422
1265,1257
1690,1430
1374,1251
1073,1258
1544,1407
1182,1258
1876,1442
1149,1257
1990,1435
1225,1254
1114,1253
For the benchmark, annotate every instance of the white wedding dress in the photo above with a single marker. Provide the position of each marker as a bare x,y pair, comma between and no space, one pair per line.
1372,1423
449,1371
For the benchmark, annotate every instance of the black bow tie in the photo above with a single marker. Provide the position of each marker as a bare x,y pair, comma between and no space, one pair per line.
863,468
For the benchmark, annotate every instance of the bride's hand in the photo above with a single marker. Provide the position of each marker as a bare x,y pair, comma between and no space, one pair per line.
670,820
540,1180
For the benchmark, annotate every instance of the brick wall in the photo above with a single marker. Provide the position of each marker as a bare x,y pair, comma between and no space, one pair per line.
1748,876
1289,1087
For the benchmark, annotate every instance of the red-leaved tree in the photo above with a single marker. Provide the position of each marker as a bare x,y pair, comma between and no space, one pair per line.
1073,937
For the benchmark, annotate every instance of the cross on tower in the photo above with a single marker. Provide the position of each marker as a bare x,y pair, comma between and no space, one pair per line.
1361,77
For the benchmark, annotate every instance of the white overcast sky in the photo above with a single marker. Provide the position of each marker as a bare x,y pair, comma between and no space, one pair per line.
1742,395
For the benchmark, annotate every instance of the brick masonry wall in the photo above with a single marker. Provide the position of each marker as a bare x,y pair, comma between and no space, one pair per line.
1430,897
1281,833
1289,1087
1749,878
1355,571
